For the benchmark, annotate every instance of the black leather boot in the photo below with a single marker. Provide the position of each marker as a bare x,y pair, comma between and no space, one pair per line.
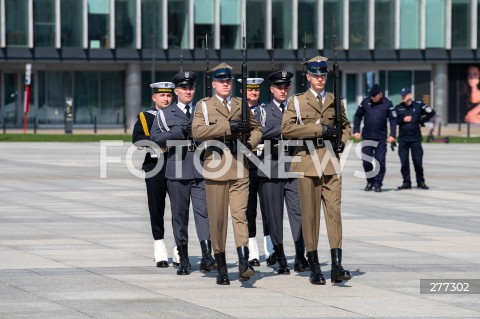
272,259
316,276
207,262
281,260
222,273
183,267
405,186
301,263
244,269
338,273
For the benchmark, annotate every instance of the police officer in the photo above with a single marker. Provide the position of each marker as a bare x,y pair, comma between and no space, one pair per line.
410,116
217,121
184,182
156,182
310,117
376,109
276,184
253,96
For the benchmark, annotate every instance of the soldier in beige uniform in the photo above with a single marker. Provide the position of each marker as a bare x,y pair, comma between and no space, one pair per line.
310,117
218,120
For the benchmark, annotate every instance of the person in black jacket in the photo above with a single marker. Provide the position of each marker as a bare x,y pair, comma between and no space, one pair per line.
410,116
375,110
156,182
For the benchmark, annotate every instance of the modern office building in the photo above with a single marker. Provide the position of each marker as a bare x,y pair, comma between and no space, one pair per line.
104,53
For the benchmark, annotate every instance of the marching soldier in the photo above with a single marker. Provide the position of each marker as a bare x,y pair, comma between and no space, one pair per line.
276,187
156,184
226,179
310,116
175,123
253,95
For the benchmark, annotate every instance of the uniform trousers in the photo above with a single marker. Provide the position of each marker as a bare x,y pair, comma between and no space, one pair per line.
315,192
219,195
417,156
275,192
253,190
180,192
156,193
379,154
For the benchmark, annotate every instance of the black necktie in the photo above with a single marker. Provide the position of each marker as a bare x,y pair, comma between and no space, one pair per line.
187,108
282,107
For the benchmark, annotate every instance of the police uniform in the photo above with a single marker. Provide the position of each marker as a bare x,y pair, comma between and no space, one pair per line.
310,117
410,138
275,184
217,123
156,184
253,190
185,184
375,117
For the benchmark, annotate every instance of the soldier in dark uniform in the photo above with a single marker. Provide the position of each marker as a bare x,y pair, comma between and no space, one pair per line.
375,109
410,116
276,187
310,117
186,185
253,95
156,183
226,178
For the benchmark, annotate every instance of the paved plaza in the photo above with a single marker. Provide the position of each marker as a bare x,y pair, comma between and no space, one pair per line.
74,245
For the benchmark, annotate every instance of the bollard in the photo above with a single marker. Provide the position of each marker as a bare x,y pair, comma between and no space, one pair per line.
468,130
35,125
95,125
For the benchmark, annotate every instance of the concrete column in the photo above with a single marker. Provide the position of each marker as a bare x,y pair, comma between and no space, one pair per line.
440,91
133,94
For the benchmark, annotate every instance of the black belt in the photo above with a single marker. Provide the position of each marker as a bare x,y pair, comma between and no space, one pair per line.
317,141
190,147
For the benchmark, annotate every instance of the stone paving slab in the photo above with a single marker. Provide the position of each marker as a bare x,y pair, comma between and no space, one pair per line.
74,245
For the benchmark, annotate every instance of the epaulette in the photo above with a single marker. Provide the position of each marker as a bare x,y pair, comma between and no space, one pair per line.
298,94
152,112
205,99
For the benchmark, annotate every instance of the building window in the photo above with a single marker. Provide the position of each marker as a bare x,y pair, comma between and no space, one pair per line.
178,23
461,13
256,10
396,80
435,24
307,23
53,88
125,22
282,23
384,27
409,24
204,22
152,24
44,23
96,97
72,23
358,24
230,24
333,16
16,22
98,24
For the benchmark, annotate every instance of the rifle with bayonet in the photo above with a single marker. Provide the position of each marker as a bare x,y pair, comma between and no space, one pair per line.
336,102
304,71
208,80
245,108
272,61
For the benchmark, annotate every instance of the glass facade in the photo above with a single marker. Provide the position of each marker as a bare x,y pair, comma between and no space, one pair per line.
16,23
71,23
409,24
435,23
231,24
334,17
351,100
461,13
282,23
307,23
98,24
358,24
396,80
384,24
125,22
178,23
54,87
152,11
44,23
256,10
204,21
